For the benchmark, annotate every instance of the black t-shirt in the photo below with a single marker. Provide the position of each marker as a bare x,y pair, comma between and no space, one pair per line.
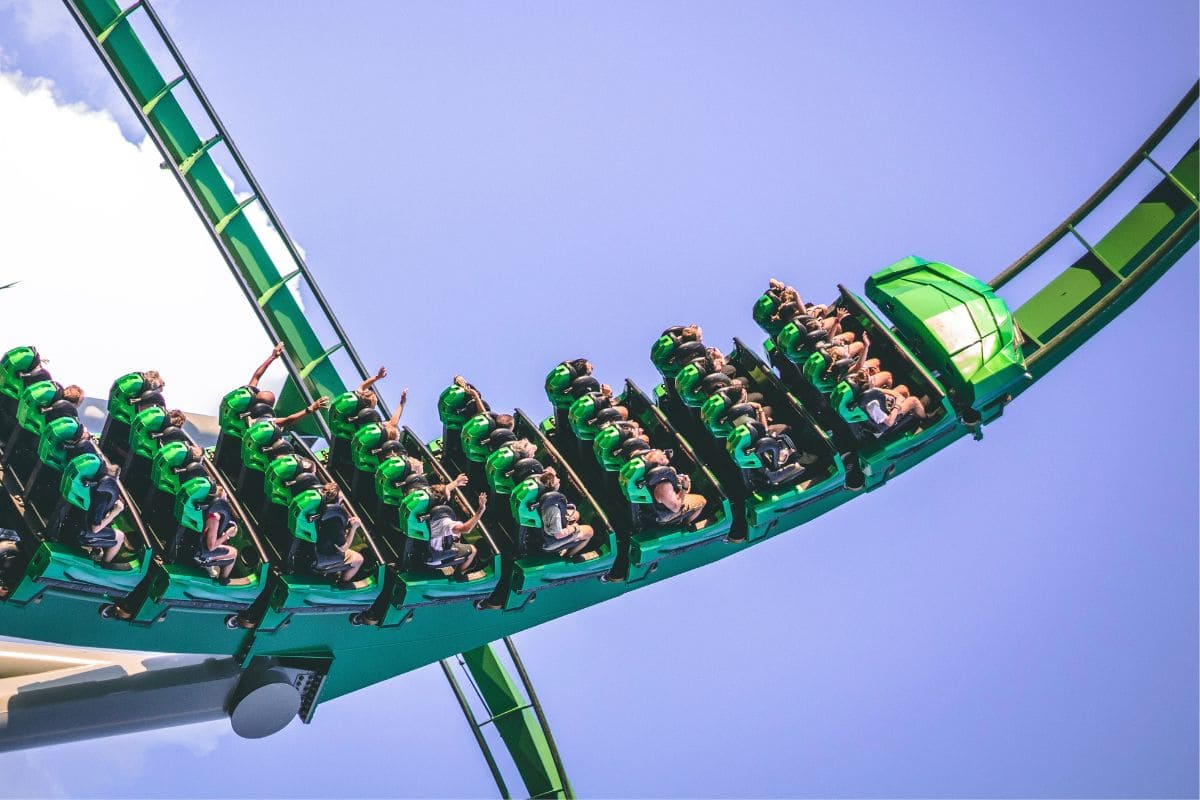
331,529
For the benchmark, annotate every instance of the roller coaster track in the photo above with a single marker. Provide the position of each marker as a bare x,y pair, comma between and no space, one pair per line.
312,646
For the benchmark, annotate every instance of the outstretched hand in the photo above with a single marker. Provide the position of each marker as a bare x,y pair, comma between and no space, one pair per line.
381,374
482,501
404,396
318,404
277,350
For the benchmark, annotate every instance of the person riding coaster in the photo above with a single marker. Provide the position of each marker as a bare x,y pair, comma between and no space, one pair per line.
39,404
677,346
239,407
129,394
500,464
593,410
702,376
766,451
482,434
888,409
335,530
446,548
562,532
213,551
396,476
19,367
375,442
457,403
649,479
349,412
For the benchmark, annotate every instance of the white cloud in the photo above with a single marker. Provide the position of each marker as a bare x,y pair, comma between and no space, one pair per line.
116,272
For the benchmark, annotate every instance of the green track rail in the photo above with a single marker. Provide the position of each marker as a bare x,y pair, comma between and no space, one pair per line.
1150,237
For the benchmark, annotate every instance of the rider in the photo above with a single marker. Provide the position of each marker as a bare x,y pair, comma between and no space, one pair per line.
105,505
219,528
673,502
335,534
563,534
446,547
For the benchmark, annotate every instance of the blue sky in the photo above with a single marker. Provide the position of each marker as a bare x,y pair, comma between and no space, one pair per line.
489,188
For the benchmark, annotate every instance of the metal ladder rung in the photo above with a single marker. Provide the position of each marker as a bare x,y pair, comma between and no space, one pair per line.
505,713
228,218
186,165
163,92
275,287
310,366
1087,245
1178,184
112,26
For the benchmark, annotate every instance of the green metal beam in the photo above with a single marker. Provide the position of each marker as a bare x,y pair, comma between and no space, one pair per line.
513,708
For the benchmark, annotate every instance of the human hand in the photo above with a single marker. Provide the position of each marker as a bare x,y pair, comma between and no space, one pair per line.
482,501
277,350
381,374
318,404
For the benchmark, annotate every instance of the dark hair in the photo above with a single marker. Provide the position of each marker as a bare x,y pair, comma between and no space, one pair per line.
504,420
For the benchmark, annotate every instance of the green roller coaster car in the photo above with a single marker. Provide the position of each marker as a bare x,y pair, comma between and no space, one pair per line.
958,327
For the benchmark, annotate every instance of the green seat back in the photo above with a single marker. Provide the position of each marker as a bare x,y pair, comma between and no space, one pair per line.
413,513
712,415
146,423
582,416
365,440
632,480
233,406
843,400
738,445
52,444
558,387
455,407
162,468
688,384
496,468
124,389
607,438
29,408
344,406
14,362
793,342
389,473
523,503
302,515
75,477
662,353
473,433
190,501
814,370
275,478
764,307
257,436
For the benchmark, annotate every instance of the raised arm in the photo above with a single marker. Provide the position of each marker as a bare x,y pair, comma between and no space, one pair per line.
374,379
399,409
276,352
472,392
292,419
461,528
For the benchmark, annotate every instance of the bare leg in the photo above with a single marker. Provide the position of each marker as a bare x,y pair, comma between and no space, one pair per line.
228,568
586,532
354,561
465,566
111,552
